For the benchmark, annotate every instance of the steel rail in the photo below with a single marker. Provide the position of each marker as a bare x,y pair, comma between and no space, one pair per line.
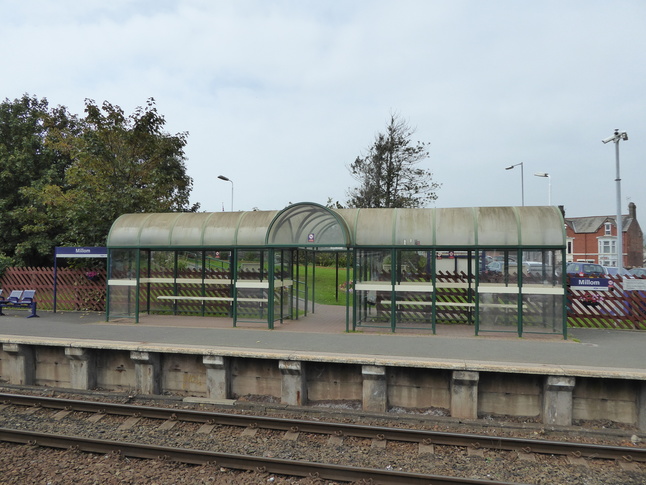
524,445
234,461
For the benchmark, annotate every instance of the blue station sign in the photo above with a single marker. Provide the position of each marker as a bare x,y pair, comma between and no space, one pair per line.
81,252
599,284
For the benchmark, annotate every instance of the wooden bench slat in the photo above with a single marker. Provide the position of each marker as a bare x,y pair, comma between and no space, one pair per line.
453,304
209,298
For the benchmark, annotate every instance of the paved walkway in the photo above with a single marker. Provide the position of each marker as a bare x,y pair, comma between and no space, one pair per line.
617,353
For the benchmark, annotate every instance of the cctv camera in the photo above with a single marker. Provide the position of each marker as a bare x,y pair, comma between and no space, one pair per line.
624,135
609,139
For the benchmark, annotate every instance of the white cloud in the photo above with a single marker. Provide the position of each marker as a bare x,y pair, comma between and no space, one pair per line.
281,96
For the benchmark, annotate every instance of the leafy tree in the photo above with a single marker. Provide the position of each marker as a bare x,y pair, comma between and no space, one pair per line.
66,179
27,162
119,164
388,176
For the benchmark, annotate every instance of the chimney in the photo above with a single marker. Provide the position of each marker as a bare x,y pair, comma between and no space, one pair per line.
632,210
562,209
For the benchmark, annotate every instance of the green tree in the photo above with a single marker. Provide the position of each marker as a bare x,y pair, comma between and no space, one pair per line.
26,161
388,175
119,164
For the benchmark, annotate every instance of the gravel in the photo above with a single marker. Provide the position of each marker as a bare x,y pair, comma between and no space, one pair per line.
23,464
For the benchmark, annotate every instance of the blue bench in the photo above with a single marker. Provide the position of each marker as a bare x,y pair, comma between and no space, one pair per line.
20,299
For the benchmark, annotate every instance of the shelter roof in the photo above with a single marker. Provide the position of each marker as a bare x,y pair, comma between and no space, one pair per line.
309,224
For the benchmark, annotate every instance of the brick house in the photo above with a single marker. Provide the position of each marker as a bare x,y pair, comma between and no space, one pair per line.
594,239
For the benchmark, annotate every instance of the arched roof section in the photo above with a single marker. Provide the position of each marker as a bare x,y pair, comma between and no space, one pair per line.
253,227
188,229
457,227
498,226
541,227
308,224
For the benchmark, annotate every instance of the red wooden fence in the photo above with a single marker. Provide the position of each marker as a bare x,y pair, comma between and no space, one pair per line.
77,289
614,308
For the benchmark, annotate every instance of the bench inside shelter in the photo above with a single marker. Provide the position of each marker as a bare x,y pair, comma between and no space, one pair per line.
20,299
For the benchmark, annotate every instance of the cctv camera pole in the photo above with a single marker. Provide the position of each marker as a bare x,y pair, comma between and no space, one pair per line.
620,242
620,229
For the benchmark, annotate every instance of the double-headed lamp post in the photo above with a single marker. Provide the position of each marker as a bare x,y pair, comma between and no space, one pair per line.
618,135
226,179
549,185
522,180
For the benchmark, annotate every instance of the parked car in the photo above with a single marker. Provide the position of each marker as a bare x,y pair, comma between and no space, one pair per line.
638,271
536,268
615,271
586,269
499,266
529,267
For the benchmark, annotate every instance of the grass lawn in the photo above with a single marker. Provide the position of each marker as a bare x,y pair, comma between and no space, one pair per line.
326,285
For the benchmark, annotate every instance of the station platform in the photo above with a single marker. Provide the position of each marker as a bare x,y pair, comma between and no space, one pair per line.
586,352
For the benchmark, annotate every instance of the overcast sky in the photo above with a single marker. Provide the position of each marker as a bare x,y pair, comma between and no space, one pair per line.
281,96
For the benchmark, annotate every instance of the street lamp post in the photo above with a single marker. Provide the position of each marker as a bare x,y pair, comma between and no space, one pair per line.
222,177
522,180
618,135
549,185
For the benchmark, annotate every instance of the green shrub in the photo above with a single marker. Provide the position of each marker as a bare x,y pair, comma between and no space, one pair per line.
5,262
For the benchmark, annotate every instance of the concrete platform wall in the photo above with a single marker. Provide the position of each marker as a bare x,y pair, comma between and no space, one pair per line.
606,400
183,375
510,395
409,387
113,369
255,377
468,394
334,382
52,367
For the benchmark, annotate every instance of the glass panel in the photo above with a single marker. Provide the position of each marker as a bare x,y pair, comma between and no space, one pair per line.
283,283
122,283
252,264
543,294
498,312
543,313
217,282
539,269
498,290
157,280
454,282
188,282
501,267
122,301
373,290
252,286
414,286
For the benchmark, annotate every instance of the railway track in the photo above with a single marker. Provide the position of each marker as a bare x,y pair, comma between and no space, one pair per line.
320,452
337,431
238,462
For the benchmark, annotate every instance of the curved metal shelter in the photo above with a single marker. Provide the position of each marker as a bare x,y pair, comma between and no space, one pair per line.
499,268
